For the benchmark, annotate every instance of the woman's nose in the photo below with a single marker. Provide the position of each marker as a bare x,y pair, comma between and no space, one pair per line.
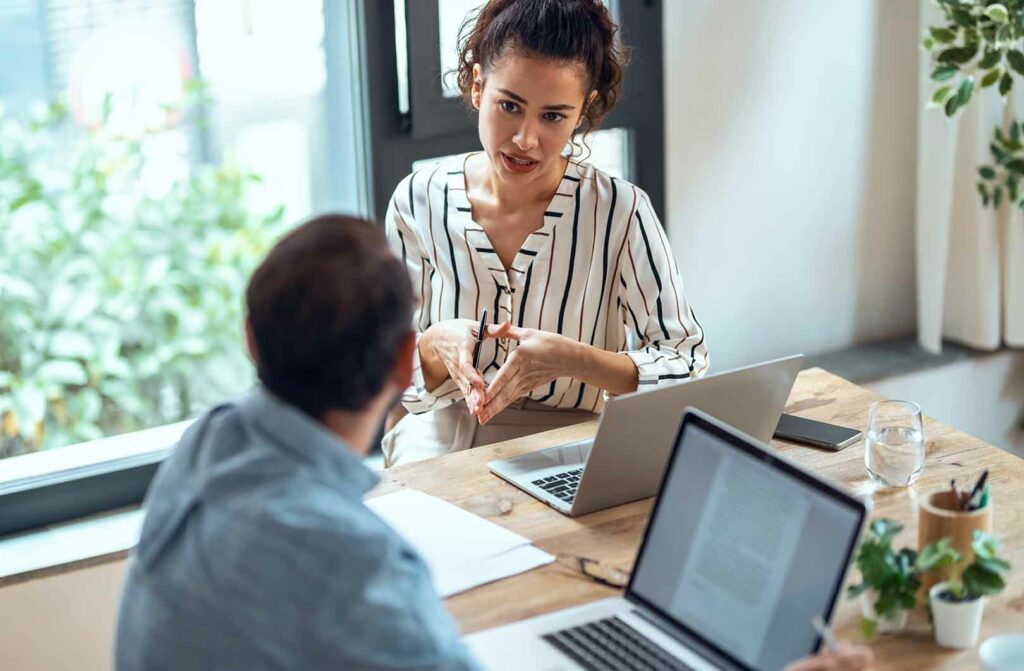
525,138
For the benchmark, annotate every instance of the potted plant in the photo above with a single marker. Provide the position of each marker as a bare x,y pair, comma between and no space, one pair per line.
890,579
957,602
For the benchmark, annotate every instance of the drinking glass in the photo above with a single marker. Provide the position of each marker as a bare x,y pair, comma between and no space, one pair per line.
894,446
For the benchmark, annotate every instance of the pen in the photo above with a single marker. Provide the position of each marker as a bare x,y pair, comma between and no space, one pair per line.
479,340
824,631
979,487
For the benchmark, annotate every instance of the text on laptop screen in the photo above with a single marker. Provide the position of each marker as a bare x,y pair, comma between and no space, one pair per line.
743,554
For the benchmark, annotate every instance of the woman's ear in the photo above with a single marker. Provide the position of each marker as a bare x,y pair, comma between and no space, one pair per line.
476,91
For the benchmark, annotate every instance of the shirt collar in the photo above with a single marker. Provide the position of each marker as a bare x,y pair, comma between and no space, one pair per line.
307,442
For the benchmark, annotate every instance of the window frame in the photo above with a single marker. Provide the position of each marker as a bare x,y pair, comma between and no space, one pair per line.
437,126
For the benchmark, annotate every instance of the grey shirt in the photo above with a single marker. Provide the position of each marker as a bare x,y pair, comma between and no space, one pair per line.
257,552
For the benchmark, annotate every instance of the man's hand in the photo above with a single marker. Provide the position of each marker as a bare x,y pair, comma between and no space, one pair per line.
539,358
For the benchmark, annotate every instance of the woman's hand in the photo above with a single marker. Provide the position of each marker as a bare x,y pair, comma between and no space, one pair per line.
845,657
539,358
446,350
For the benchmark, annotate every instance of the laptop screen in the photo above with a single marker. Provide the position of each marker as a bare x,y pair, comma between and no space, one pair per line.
743,550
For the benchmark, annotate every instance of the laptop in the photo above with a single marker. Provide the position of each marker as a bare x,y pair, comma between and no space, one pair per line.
742,551
626,459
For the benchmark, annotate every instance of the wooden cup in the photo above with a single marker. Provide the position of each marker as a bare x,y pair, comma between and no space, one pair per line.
938,517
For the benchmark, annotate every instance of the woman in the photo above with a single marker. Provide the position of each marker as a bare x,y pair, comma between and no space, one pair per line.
582,294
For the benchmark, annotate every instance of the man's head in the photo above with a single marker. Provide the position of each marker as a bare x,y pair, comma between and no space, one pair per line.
329,317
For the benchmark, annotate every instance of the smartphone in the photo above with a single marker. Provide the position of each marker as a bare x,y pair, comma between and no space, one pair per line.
818,434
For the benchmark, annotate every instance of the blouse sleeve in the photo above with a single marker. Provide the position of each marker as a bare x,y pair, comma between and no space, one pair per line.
654,309
405,242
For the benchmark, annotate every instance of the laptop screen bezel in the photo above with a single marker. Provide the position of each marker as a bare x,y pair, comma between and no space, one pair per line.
858,506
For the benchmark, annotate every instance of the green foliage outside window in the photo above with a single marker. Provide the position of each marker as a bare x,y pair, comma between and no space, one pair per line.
120,309
981,45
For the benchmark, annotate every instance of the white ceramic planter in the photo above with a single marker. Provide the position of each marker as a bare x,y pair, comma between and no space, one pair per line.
956,624
890,623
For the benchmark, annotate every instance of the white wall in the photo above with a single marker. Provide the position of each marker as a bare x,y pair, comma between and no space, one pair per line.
65,622
980,396
791,142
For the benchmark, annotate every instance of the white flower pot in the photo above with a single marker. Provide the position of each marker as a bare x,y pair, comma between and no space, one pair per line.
956,623
890,623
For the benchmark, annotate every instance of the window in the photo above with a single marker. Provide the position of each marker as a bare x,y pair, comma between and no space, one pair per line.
150,153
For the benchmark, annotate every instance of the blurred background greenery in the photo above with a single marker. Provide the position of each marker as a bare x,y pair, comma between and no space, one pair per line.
120,288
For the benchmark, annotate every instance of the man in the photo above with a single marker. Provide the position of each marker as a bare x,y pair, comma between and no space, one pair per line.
257,551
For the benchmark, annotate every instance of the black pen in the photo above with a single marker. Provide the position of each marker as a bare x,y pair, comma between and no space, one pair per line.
979,487
479,340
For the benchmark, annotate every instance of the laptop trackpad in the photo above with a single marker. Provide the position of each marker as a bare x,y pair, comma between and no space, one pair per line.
570,454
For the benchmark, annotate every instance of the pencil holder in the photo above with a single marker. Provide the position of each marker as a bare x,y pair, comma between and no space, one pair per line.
938,517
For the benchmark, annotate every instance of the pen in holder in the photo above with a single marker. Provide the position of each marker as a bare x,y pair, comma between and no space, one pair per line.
939,515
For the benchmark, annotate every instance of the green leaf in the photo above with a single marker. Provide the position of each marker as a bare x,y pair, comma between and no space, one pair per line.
71,345
997,196
993,564
991,77
944,72
979,582
867,628
997,13
1005,35
939,553
1016,60
1016,165
985,544
1005,84
957,55
987,172
991,57
62,372
963,18
928,43
943,35
964,91
941,95
952,105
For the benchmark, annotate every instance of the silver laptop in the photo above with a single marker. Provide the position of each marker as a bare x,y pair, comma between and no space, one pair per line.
742,551
626,458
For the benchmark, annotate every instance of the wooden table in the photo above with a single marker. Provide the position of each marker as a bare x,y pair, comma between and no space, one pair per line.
613,536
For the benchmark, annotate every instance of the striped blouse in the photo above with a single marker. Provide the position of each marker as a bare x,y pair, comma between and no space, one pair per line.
599,269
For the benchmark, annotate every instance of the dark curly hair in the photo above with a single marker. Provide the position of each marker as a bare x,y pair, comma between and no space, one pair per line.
573,31
329,309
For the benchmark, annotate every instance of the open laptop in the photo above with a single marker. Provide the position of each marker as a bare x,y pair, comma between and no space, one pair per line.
626,458
742,551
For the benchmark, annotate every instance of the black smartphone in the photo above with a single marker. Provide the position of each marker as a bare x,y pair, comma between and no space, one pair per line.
818,434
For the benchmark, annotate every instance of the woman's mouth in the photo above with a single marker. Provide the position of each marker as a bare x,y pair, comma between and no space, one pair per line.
517,164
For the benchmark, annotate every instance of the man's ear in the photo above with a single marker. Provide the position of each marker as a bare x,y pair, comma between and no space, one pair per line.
476,90
250,341
401,372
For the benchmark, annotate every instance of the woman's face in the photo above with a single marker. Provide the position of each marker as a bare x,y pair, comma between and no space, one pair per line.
529,108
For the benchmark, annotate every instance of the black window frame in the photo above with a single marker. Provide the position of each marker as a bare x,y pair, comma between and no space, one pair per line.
437,126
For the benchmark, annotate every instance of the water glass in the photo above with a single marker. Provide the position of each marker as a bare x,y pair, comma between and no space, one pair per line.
894,445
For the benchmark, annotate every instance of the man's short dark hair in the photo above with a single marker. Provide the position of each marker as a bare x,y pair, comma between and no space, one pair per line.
329,309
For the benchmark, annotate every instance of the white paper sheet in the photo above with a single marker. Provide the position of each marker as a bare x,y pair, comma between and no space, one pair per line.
462,550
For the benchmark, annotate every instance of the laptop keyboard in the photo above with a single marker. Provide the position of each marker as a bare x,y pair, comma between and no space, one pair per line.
561,485
611,644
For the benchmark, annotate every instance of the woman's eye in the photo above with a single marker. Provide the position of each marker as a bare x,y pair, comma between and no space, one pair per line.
508,106
553,116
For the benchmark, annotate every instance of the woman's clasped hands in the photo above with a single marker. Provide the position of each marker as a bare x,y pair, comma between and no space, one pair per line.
536,359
